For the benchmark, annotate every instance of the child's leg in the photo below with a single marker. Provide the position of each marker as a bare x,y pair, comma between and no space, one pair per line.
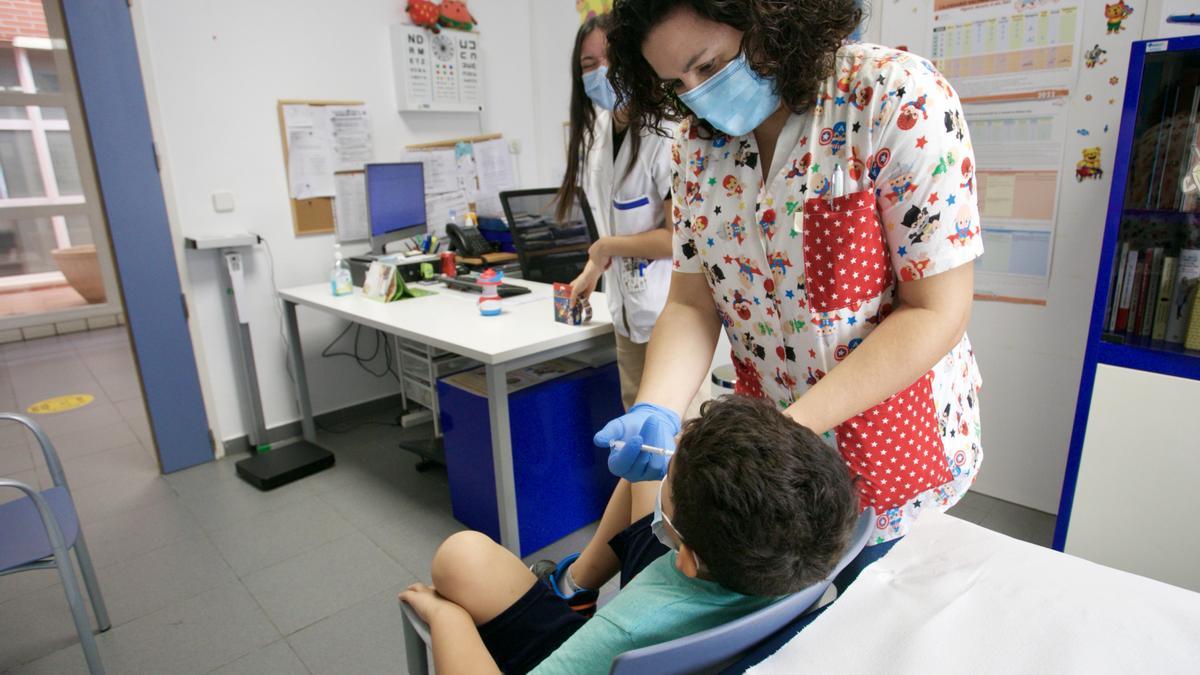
479,575
597,563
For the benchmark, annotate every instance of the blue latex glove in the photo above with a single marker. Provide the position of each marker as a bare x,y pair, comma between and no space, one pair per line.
644,423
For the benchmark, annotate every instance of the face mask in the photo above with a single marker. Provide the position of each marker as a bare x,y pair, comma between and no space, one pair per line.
657,522
599,89
658,526
735,100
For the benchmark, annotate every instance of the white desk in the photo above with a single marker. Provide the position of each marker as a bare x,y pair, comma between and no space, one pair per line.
525,333
953,597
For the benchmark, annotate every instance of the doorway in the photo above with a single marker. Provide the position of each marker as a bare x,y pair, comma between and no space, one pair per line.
56,271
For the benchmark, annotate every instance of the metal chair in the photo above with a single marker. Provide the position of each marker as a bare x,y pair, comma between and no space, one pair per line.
38,531
705,652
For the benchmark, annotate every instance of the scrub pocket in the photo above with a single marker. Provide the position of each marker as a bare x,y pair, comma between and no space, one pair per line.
633,216
896,448
845,258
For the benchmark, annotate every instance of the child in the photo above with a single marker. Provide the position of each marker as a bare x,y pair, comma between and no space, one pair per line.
754,506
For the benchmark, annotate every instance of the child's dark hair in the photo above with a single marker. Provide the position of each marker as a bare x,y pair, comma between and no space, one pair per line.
765,503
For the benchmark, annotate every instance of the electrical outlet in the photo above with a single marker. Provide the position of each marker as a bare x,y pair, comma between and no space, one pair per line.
222,201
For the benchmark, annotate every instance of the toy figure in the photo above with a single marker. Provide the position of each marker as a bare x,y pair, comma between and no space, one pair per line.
1115,14
1089,166
423,13
455,15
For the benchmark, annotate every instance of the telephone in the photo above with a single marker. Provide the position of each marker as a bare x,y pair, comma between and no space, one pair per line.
468,241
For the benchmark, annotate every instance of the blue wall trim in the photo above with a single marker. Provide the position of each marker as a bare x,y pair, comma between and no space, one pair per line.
102,43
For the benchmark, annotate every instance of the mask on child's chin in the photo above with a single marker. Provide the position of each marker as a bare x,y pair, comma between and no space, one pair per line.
658,527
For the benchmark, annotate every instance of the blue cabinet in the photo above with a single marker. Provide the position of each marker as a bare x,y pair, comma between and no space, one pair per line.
562,480
1136,436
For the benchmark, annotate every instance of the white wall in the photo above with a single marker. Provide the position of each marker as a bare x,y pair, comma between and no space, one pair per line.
1031,357
214,72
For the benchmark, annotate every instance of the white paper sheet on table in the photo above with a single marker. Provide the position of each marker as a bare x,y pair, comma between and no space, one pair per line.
953,597
350,207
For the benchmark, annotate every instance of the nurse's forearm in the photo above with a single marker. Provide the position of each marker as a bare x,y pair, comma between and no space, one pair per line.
653,244
682,344
900,350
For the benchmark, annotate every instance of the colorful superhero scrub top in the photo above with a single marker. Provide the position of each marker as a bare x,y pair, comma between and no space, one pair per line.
801,278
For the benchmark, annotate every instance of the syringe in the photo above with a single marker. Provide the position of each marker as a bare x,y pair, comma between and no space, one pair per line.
617,445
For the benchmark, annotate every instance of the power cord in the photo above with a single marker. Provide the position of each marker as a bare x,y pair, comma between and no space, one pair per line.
363,362
278,304
380,338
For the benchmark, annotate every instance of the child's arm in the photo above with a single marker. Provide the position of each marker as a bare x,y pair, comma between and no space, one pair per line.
457,647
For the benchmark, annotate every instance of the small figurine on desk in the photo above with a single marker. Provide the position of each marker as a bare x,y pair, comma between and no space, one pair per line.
565,312
489,302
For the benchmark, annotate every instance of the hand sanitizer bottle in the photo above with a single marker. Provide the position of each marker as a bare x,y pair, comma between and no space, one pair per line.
339,279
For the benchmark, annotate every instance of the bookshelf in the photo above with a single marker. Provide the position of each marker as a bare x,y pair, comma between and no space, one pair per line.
1136,432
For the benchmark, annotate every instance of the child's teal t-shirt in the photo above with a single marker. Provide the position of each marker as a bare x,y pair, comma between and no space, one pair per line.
659,605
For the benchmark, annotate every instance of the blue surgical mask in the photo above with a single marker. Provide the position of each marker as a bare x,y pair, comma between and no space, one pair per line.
658,526
657,522
735,100
599,89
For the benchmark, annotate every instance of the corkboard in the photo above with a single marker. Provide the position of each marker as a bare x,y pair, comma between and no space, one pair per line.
309,216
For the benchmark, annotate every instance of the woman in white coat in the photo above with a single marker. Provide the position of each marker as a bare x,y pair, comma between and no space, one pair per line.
625,174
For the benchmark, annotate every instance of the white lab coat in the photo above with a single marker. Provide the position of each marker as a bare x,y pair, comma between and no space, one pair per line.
630,204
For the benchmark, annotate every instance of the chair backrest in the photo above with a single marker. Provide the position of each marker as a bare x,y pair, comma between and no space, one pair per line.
715,648
548,250
53,465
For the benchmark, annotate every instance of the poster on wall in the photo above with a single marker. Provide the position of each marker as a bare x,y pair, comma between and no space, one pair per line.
322,140
1019,150
1004,50
437,71
589,8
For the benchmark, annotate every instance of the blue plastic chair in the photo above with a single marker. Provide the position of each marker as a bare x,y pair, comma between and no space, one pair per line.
704,652
38,531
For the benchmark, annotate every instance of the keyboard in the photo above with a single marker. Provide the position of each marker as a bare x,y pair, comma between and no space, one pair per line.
469,285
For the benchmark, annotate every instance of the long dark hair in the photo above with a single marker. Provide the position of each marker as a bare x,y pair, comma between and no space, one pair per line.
583,115
792,41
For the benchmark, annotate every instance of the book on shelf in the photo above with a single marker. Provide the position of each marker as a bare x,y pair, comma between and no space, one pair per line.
1150,296
1137,303
1118,286
1162,306
1192,339
1131,263
1183,296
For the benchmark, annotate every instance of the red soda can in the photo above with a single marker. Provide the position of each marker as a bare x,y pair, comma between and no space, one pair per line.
449,265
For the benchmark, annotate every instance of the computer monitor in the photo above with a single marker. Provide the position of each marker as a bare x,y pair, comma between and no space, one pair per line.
395,202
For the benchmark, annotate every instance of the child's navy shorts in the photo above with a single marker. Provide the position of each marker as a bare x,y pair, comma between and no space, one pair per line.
523,635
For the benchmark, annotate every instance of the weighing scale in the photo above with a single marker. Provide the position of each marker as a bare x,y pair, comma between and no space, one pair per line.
272,465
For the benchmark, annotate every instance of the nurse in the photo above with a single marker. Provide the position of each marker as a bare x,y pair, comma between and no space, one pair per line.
625,173
825,218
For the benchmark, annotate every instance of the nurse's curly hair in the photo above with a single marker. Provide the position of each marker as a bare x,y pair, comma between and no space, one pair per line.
792,41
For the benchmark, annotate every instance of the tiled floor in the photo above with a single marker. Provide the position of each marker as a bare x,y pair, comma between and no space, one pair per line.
37,300
203,573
